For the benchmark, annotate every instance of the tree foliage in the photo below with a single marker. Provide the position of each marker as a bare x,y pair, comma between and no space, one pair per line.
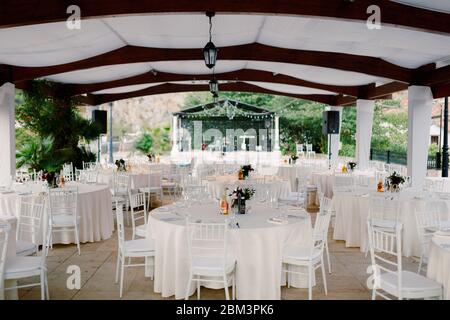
301,121
51,125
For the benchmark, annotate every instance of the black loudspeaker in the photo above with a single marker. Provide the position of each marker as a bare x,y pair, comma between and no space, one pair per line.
330,124
100,118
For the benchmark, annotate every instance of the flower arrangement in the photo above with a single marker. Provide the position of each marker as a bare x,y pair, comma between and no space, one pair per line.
351,165
151,157
245,170
394,181
121,165
294,158
239,196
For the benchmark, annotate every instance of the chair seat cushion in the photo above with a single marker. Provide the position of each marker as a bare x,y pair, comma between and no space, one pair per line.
412,283
64,220
212,266
25,248
19,265
293,253
139,245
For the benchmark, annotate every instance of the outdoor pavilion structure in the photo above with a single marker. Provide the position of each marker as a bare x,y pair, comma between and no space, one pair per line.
338,52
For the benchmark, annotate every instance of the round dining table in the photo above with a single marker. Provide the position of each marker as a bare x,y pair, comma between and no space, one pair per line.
439,261
216,185
325,180
255,241
352,211
94,208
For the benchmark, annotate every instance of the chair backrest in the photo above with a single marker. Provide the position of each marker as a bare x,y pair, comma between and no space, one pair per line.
299,148
386,252
92,176
63,201
89,165
30,218
384,207
428,219
309,147
138,207
122,183
68,173
207,239
326,205
120,227
320,232
4,233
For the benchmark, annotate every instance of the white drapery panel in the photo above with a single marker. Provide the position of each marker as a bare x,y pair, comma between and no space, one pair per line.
364,122
420,101
7,132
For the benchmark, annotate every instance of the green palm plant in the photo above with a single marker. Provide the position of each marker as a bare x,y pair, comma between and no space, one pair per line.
37,153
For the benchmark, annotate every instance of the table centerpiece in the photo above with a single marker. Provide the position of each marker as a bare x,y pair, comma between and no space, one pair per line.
394,182
239,196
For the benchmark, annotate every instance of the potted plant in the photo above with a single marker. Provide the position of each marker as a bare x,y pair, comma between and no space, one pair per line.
351,166
239,197
121,165
245,171
394,181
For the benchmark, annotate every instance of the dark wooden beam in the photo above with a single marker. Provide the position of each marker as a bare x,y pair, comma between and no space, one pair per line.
15,13
441,91
240,75
170,88
252,52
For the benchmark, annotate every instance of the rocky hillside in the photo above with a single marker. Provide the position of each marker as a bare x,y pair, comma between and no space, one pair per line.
135,114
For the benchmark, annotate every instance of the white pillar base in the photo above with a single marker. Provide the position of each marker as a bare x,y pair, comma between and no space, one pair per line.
364,122
7,133
420,102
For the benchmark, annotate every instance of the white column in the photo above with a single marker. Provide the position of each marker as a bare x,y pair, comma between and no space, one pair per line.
7,132
364,122
420,101
335,142
277,134
175,147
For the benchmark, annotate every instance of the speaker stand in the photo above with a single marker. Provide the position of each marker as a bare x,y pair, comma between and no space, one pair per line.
329,151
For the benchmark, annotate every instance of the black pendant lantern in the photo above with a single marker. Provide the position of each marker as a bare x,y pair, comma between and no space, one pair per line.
213,86
210,50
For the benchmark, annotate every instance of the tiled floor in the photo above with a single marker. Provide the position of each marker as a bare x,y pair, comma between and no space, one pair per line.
98,261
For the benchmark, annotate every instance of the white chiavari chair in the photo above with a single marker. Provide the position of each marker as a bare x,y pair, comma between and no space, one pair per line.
29,225
68,172
428,221
4,234
389,278
63,208
300,150
209,256
36,266
309,256
139,248
154,187
139,214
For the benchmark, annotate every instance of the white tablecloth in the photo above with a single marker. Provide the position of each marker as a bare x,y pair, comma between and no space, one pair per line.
138,179
217,184
325,180
352,210
94,208
439,264
257,247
